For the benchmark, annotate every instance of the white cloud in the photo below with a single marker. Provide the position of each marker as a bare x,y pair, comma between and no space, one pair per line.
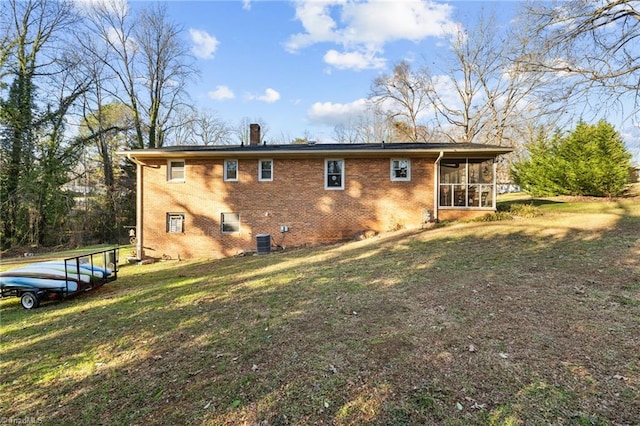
383,21
353,60
117,7
631,136
331,114
221,93
270,96
246,4
366,26
117,38
445,87
204,44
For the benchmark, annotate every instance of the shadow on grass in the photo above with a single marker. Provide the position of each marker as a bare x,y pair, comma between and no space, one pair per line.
536,202
468,324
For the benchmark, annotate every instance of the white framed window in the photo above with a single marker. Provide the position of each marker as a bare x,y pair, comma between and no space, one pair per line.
230,170
175,223
175,170
230,222
265,170
400,169
333,174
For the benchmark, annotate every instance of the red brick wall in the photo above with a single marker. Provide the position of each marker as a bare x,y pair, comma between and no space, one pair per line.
296,198
461,214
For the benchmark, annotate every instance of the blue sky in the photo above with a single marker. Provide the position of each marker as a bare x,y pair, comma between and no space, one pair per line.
304,66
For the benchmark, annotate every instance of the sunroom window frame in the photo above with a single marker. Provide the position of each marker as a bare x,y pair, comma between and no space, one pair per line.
492,186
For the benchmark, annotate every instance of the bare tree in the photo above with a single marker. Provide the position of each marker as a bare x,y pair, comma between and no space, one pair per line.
346,132
376,125
166,64
593,42
209,129
109,41
105,132
369,126
483,93
7,41
241,131
146,64
518,98
194,126
181,132
404,96
462,96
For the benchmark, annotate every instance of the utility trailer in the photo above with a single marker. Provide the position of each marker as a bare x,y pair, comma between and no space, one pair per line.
59,279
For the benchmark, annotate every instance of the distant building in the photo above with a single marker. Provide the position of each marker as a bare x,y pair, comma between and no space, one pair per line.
634,174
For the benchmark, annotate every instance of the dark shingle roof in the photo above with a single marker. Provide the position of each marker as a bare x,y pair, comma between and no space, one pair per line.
318,148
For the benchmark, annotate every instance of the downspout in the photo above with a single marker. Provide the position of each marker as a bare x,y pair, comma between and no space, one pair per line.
436,186
495,183
139,213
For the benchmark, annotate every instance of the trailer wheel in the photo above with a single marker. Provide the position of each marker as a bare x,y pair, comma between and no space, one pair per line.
29,300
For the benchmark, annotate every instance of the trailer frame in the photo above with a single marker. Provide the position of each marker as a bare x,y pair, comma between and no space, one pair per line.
31,296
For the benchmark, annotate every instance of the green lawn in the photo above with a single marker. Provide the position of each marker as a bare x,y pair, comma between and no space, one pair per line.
526,321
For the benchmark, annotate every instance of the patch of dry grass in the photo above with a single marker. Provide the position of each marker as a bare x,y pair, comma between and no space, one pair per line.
528,321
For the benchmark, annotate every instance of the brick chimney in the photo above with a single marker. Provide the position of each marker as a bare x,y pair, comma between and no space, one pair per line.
254,134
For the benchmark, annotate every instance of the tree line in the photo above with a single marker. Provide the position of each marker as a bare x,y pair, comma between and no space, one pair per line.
78,83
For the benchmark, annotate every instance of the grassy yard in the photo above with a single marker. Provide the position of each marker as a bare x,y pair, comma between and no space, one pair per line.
524,321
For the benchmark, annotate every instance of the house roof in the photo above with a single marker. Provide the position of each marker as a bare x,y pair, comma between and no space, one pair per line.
448,150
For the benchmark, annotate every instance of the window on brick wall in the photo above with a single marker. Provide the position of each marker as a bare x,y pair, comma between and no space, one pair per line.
175,170
400,169
334,174
175,223
230,222
265,170
230,170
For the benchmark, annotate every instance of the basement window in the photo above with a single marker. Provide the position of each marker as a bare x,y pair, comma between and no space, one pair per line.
333,174
175,223
400,169
230,222
230,170
265,170
175,170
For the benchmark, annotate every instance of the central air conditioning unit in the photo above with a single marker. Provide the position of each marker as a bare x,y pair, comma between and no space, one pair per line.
263,243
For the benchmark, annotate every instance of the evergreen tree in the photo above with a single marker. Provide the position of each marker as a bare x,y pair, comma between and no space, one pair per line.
592,160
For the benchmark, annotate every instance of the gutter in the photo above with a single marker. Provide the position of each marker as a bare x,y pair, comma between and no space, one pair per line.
306,152
436,185
134,159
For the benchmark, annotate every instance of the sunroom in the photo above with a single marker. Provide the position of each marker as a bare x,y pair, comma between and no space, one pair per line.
467,183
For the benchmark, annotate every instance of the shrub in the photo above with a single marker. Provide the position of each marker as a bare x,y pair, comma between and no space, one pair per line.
524,210
493,217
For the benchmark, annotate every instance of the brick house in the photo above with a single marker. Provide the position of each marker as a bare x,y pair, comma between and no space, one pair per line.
216,201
